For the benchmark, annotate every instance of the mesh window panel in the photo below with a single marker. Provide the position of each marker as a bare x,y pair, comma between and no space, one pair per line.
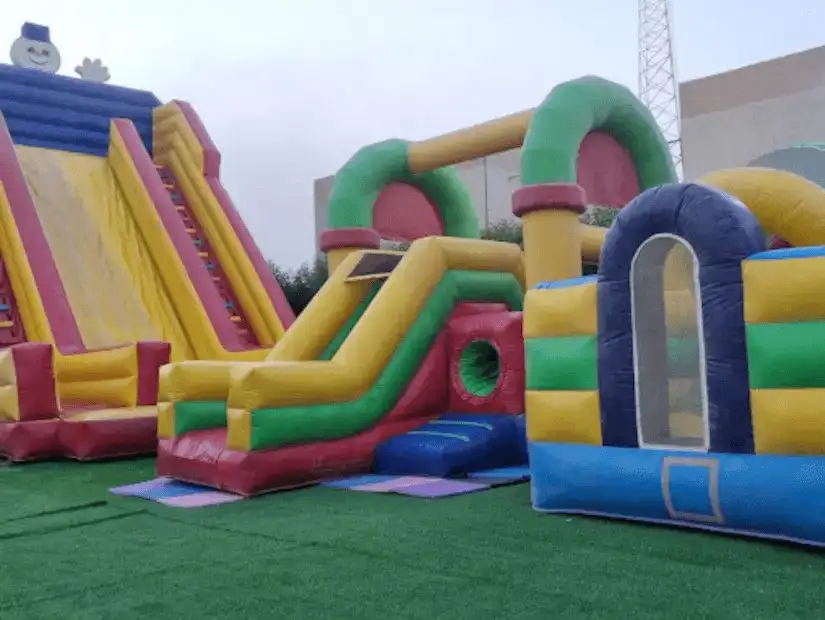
670,386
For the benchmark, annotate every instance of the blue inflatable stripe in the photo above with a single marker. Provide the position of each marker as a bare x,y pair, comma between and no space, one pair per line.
63,103
455,444
68,114
789,253
489,427
581,280
457,436
69,118
62,83
771,496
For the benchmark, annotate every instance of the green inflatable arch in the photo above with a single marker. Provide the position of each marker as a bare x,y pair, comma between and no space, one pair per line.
574,109
360,181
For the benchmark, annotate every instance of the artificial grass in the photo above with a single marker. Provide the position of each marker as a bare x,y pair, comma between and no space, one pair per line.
72,551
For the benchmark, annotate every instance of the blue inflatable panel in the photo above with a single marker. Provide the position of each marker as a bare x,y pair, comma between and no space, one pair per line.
455,445
67,114
789,253
768,496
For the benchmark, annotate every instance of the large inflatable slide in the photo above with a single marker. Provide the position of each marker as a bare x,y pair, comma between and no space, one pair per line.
120,251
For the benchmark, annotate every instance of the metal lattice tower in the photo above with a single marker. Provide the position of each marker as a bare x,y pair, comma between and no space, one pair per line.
658,82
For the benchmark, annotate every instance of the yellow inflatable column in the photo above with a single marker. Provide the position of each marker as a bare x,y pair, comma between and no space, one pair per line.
341,242
552,232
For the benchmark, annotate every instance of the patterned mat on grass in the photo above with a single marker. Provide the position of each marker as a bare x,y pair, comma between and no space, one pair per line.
177,494
431,487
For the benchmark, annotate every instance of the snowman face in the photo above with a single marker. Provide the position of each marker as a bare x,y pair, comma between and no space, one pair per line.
32,54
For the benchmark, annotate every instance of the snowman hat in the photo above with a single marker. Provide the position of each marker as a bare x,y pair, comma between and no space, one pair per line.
35,32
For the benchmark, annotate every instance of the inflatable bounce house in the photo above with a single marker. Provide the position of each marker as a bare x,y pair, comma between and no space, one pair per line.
120,250
682,384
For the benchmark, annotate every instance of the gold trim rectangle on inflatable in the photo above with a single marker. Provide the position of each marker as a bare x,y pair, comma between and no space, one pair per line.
564,417
711,465
784,291
555,312
788,421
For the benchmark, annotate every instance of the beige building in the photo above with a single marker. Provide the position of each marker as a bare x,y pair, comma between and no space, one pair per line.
730,119
734,118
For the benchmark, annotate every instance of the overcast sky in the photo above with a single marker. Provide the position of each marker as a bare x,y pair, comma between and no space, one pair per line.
289,89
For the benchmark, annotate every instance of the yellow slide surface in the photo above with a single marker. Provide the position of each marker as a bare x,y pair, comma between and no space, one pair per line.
107,272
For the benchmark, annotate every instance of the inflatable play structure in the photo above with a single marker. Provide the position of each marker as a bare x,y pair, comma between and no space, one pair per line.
120,251
680,385
406,363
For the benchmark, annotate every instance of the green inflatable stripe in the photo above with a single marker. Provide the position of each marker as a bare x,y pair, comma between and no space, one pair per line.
574,109
786,355
346,328
564,363
371,169
198,415
298,425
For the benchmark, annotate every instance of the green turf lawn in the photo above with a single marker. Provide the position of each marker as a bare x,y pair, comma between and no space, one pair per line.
69,550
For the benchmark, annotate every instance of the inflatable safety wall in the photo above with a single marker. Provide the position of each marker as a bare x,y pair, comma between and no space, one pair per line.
560,339
785,322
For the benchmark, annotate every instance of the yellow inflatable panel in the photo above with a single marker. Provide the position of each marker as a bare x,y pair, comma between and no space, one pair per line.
568,311
9,406
106,306
784,291
362,356
564,417
18,269
177,147
323,318
788,421
784,203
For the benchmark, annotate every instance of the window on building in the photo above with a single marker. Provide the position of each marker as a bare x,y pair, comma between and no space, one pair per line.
668,345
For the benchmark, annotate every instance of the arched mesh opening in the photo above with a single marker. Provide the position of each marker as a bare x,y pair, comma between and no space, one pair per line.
668,345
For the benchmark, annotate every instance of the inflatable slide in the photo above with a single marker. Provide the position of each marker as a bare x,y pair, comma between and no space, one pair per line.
120,252
380,369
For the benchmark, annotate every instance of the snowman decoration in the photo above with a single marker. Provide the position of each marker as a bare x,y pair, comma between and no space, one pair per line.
34,49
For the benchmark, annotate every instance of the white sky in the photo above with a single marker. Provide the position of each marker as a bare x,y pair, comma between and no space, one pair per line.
289,89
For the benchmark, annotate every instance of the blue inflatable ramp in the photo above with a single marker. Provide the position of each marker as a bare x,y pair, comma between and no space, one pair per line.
456,444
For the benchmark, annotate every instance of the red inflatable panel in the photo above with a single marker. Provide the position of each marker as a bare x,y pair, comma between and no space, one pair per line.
503,330
36,387
201,457
151,356
100,439
29,441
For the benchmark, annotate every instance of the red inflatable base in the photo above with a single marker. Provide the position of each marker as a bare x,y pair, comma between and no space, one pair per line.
106,439
201,457
29,441
80,440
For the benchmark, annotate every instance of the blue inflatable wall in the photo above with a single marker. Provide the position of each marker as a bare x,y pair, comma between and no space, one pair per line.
722,233
68,114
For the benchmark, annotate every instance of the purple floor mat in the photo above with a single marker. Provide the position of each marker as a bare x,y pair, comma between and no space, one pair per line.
394,484
199,500
356,481
174,493
442,488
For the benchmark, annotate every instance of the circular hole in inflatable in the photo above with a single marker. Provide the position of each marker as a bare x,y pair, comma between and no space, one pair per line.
479,367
